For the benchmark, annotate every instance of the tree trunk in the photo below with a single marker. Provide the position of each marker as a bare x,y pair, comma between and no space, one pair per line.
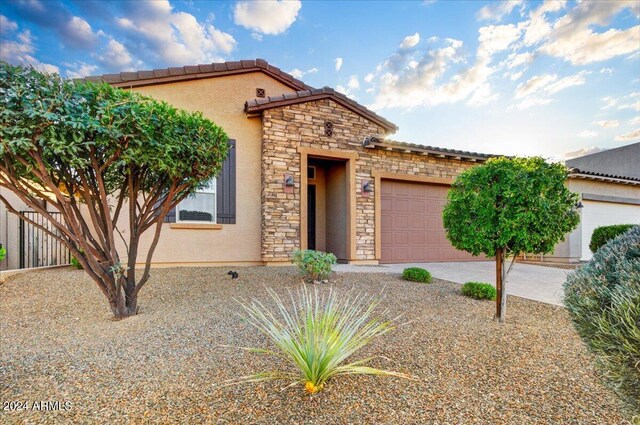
501,285
499,275
125,305
503,293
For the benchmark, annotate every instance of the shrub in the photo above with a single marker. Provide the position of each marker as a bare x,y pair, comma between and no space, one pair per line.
416,274
603,234
479,291
3,252
317,335
603,299
75,263
314,265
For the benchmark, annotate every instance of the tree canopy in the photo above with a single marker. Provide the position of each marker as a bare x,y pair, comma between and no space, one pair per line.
96,152
510,205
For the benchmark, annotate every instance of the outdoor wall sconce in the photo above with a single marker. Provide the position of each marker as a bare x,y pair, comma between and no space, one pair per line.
288,180
579,205
367,188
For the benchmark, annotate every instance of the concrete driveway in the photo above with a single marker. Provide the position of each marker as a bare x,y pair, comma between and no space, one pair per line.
536,283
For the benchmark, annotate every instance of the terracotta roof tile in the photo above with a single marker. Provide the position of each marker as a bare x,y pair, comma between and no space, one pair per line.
310,95
165,75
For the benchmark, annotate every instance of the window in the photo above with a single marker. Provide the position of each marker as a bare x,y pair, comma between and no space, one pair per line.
328,128
200,207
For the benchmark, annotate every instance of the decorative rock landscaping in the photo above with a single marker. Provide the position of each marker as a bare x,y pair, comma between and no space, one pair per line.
167,364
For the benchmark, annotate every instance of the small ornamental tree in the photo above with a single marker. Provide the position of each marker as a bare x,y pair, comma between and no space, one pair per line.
102,157
508,207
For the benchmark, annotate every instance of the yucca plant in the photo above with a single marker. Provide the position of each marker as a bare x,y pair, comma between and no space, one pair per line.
318,335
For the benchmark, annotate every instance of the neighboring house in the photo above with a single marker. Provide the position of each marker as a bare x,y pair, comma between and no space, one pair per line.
609,185
310,168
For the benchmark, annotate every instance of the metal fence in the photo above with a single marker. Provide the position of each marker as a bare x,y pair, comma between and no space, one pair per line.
37,247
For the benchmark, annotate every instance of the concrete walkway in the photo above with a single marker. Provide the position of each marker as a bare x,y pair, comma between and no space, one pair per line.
537,283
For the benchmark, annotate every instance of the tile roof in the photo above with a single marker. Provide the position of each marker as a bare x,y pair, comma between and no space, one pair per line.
426,150
310,95
617,163
593,175
183,73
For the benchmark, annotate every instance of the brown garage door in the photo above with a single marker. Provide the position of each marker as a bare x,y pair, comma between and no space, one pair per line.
412,229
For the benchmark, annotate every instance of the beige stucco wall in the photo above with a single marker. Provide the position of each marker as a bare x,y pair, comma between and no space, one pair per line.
10,229
570,250
220,99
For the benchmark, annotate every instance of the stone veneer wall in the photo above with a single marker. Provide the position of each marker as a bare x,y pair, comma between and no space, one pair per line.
287,128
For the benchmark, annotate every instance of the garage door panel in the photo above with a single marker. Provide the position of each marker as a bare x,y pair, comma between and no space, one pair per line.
412,228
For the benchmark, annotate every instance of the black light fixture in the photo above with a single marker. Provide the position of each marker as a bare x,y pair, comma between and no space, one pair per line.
288,181
579,205
367,186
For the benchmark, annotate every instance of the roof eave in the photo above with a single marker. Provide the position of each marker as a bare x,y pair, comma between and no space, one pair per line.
461,156
254,109
605,179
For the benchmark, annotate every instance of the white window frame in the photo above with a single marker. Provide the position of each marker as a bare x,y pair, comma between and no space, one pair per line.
210,189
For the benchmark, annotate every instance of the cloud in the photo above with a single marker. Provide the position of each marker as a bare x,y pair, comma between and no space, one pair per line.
573,39
298,73
537,28
80,69
408,81
338,63
607,123
496,11
6,25
18,48
369,78
266,17
410,41
79,33
74,31
633,135
165,37
353,83
256,36
581,152
586,134
116,57
536,90
608,71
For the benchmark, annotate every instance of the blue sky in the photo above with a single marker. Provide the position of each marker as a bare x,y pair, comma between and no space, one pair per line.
549,78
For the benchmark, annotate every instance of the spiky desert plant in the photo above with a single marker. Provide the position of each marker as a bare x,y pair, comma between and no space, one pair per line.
318,335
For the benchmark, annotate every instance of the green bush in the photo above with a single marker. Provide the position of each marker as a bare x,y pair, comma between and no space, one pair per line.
75,263
3,252
479,291
416,274
603,299
314,265
603,234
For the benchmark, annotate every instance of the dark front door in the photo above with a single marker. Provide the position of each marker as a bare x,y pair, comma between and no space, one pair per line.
311,216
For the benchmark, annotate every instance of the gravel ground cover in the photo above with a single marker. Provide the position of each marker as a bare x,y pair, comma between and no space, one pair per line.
59,343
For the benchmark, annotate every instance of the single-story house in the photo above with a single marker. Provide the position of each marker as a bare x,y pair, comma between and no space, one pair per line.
310,168
609,185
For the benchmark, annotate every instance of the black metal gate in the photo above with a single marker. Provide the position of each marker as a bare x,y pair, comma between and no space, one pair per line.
37,247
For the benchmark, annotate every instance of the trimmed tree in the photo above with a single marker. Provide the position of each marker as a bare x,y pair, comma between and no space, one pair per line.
101,156
510,206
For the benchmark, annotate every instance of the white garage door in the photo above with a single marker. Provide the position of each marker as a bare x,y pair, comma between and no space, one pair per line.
596,214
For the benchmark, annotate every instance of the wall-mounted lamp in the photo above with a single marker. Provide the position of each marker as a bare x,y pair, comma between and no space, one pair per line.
367,188
288,180
579,205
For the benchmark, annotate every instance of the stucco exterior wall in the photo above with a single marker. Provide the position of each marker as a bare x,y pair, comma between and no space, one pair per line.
288,128
220,99
570,250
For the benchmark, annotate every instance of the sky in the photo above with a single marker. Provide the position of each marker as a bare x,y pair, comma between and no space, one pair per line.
553,78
